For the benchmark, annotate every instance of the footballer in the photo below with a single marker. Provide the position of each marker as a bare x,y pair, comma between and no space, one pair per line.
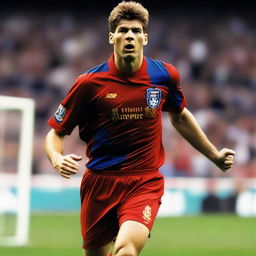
117,106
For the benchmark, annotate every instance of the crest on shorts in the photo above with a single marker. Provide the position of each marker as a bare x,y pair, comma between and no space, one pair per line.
60,114
154,96
147,214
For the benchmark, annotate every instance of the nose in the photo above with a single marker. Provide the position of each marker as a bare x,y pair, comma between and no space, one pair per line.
129,35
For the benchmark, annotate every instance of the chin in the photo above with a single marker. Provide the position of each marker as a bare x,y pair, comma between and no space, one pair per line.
130,57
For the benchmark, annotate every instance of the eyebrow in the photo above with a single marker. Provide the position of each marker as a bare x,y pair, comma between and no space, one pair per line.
125,27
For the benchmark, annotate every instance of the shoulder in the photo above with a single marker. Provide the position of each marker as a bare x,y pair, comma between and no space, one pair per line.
160,70
91,74
173,71
155,65
103,67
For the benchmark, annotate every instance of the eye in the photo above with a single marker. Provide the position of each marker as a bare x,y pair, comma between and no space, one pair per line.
122,30
136,30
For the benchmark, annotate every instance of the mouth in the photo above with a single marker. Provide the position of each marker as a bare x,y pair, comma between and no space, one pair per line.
129,48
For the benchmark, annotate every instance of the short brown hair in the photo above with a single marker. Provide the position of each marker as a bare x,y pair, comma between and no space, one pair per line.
128,11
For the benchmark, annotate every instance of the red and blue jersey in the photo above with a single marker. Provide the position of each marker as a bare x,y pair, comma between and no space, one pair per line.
119,115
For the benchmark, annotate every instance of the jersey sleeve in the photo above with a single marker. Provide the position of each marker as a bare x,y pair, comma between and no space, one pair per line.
67,116
175,99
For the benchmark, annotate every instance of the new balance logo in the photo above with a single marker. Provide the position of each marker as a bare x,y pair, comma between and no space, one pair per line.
111,95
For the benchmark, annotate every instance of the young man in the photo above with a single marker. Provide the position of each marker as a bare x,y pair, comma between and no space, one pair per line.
117,106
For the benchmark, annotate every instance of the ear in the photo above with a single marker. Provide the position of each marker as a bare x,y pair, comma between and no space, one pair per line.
111,38
145,39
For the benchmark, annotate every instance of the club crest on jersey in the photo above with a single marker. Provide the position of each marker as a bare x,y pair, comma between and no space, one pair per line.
60,114
154,96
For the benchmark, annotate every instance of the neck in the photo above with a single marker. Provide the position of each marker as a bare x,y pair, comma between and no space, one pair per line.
127,66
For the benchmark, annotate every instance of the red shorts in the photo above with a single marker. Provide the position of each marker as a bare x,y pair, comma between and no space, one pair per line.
110,199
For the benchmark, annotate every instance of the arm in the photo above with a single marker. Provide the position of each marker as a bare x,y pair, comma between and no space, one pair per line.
65,165
186,124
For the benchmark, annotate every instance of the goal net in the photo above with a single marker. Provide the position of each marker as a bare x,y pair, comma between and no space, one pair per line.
16,144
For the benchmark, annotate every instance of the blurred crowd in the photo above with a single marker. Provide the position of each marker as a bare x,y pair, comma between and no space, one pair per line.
40,57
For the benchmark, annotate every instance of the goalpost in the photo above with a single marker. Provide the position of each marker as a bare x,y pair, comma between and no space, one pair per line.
26,108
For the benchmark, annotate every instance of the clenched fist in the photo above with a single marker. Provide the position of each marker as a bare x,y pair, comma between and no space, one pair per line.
225,159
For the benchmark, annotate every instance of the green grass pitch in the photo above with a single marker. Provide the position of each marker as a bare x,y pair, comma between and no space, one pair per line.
207,235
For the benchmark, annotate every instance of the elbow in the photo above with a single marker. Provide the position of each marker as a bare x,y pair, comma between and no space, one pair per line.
177,119
52,137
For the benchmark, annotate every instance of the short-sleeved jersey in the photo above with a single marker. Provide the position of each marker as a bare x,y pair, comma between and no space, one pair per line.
119,115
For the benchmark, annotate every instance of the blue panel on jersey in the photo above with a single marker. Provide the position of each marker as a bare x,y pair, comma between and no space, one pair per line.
100,140
100,68
104,162
101,152
157,73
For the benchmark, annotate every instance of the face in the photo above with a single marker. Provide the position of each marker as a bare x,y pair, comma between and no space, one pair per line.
128,39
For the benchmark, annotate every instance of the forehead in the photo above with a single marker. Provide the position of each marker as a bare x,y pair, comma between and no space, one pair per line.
130,24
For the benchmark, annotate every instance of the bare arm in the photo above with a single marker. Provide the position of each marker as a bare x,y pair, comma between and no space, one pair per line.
65,165
186,124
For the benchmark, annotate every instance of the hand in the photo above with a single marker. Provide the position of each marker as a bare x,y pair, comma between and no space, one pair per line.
66,165
225,159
